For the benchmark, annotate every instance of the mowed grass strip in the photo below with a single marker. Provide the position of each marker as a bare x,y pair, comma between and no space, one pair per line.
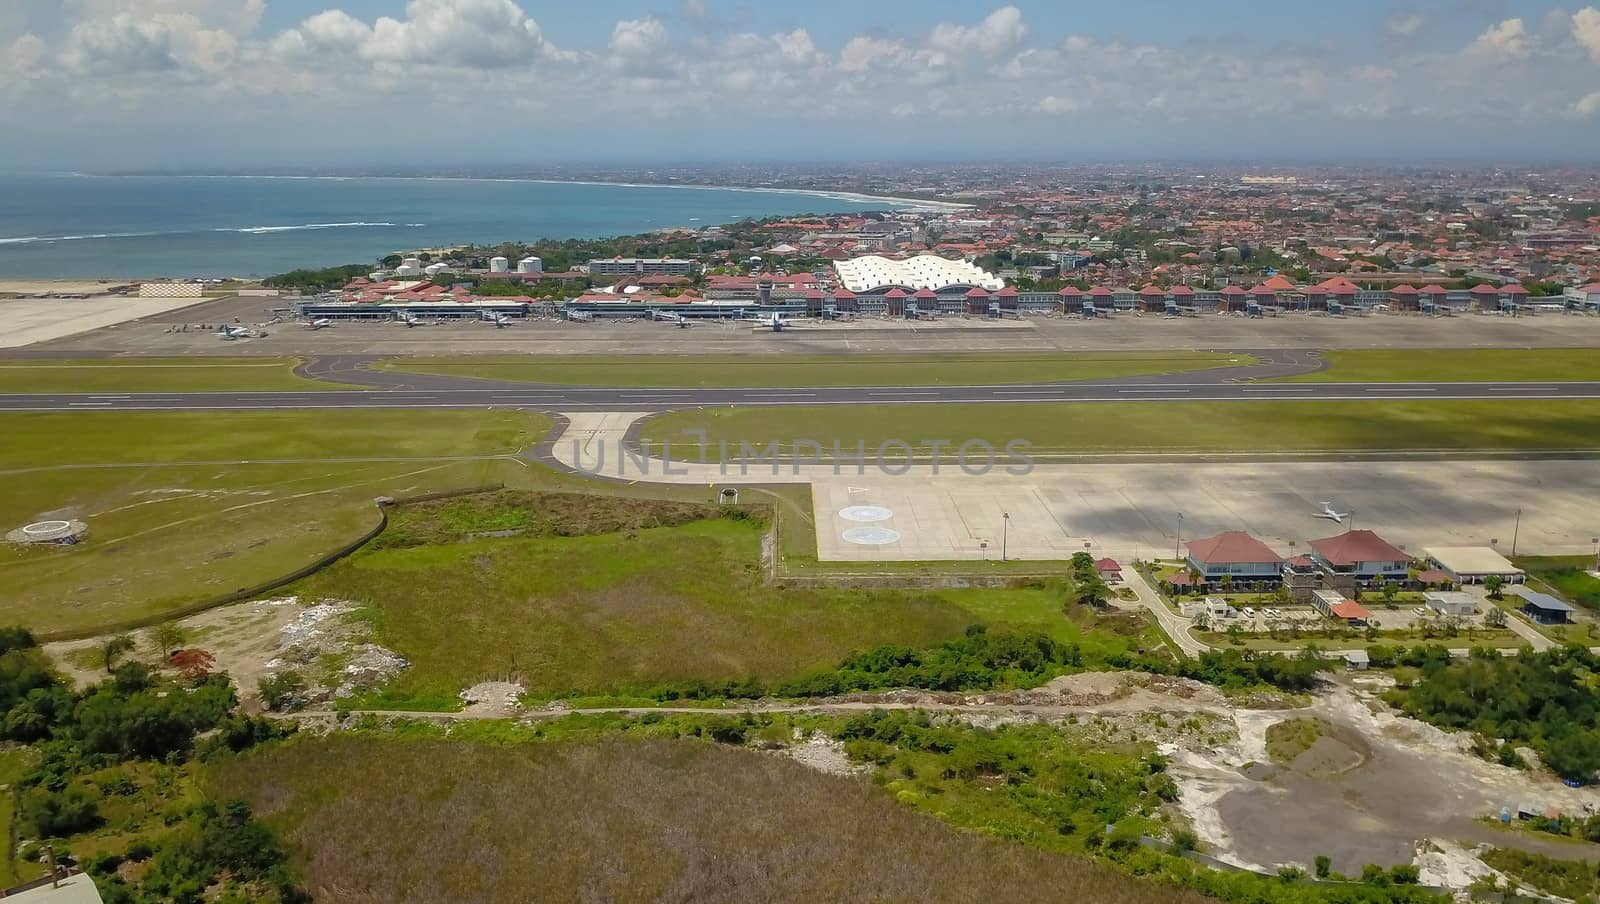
47,439
164,537
1119,427
108,375
820,370
1457,365
628,611
385,819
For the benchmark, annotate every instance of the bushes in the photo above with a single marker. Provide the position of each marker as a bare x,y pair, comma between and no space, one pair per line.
1542,700
55,815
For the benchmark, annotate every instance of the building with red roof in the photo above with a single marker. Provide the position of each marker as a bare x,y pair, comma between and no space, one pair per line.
1335,605
1362,555
1070,300
844,299
1234,299
894,302
1153,298
1110,570
1235,555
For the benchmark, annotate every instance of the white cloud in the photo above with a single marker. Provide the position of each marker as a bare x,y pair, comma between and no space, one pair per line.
474,34
863,53
637,37
1589,105
237,17
1586,29
1059,105
1506,39
1001,31
1404,23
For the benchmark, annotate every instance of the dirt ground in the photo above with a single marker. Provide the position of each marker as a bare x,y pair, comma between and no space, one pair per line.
243,638
1369,792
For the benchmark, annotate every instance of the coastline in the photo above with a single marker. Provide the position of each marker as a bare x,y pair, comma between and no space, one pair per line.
899,202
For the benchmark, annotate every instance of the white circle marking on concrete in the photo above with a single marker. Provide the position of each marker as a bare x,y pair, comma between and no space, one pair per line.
866,513
871,536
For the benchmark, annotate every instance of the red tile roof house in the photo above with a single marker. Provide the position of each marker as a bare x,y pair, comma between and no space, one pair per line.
1363,555
1244,560
1110,570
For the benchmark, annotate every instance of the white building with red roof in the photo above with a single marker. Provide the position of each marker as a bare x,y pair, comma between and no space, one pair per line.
1363,555
1236,555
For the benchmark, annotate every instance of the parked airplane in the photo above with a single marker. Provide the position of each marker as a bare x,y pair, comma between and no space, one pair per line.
318,324
673,317
773,321
411,320
500,321
580,316
233,332
1331,515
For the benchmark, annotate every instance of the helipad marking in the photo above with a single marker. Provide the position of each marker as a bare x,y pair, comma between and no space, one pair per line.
866,513
871,536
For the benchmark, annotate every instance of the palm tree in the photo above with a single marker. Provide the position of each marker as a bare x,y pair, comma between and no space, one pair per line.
1495,584
113,649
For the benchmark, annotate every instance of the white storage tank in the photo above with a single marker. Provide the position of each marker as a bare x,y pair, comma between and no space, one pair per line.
530,264
499,265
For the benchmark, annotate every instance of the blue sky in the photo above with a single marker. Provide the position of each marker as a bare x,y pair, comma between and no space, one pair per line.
291,82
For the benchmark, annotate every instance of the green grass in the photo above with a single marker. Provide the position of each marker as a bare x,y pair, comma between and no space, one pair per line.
819,370
165,538
168,437
1456,365
1121,427
616,612
1292,737
1568,576
1573,879
108,375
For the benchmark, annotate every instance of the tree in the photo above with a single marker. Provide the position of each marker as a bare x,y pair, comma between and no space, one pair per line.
113,650
1390,591
1495,584
1324,866
1495,617
169,636
193,665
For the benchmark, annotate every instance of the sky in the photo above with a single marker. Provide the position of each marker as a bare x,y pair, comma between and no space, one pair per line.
136,84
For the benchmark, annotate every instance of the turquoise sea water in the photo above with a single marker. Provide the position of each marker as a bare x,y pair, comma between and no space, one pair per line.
71,226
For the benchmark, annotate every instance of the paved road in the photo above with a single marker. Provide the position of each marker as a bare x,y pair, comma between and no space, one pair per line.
575,398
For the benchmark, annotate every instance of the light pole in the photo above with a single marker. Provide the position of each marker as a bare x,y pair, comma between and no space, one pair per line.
1516,529
1005,531
1177,542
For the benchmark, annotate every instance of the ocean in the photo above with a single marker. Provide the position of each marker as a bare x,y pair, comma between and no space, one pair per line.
74,226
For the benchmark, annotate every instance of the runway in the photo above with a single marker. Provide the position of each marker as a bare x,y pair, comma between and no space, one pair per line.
576,398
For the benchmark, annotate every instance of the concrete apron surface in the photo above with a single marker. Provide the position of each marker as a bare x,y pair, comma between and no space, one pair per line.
1132,510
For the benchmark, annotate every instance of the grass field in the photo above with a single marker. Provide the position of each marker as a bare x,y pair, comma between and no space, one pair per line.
1115,427
164,537
1568,576
1456,365
107,375
820,370
387,819
632,610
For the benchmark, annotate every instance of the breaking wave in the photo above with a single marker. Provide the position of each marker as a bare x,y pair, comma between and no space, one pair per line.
260,230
